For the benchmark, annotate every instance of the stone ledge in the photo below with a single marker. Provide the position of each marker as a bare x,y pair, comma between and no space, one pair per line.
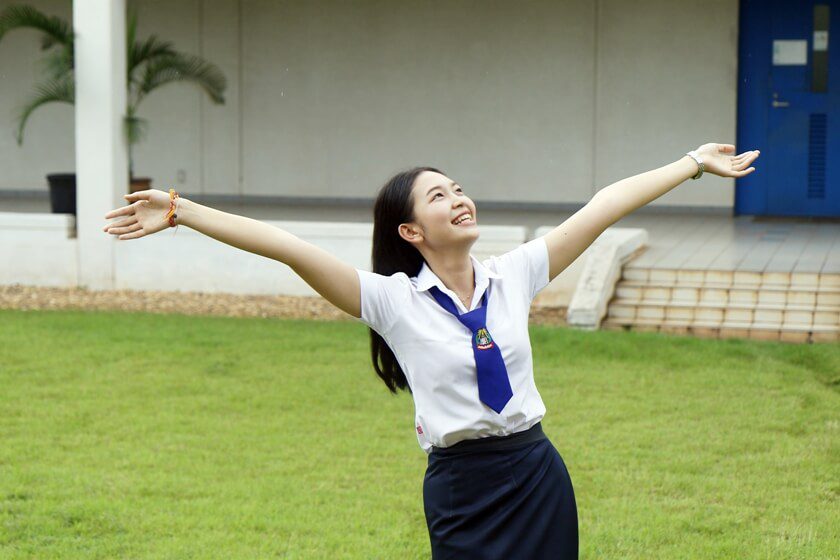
601,272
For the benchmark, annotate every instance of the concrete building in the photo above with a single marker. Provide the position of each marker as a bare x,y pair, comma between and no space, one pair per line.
532,106
527,104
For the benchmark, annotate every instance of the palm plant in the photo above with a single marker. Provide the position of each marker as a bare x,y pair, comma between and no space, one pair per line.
151,63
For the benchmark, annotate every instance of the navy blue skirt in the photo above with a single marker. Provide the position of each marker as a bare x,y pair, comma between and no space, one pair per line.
500,497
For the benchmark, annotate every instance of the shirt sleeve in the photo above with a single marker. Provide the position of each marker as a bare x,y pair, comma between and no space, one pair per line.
382,298
528,266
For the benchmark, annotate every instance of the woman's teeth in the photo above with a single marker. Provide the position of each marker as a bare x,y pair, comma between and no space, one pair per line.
465,218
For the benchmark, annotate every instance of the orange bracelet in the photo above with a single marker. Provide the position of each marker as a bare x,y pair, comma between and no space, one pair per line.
171,215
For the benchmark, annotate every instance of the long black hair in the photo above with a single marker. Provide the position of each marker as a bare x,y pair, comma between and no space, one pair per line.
391,254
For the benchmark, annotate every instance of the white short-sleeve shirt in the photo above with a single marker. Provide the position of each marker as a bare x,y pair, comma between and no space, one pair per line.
434,349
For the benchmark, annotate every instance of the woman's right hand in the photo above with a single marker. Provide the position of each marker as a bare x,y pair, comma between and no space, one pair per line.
144,216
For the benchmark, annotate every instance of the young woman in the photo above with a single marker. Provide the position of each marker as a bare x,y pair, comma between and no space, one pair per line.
453,331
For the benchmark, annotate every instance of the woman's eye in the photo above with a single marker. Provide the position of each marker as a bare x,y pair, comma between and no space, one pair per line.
439,194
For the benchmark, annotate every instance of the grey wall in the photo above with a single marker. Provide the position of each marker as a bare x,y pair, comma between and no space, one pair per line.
526,101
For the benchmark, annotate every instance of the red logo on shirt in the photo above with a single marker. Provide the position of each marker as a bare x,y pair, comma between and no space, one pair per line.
419,429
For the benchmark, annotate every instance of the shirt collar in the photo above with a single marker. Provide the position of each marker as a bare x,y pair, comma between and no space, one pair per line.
426,278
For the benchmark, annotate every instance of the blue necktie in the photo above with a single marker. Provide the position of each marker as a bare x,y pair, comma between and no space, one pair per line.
493,384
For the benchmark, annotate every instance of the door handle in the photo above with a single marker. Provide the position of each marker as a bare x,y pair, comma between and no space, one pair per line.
781,103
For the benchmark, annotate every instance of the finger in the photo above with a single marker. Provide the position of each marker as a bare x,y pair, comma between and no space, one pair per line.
740,164
125,229
123,211
745,172
726,148
122,223
133,235
746,157
145,195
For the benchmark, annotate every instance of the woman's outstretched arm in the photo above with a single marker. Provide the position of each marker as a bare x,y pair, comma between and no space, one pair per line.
335,280
567,241
632,193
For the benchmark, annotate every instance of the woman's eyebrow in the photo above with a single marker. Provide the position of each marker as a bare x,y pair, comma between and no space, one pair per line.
439,187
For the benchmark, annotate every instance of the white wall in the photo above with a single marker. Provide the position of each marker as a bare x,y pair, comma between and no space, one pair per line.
533,101
44,251
38,249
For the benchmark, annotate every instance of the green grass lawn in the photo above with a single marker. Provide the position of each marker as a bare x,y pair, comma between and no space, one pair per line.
169,436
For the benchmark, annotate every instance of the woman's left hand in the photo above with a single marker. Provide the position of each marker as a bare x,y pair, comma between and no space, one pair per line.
717,160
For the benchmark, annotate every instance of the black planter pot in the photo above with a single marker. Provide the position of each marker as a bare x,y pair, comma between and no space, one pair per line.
62,193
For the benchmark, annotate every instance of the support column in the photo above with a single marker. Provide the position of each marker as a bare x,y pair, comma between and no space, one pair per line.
101,143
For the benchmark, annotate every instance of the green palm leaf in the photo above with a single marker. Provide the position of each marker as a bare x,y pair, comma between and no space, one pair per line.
163,64
61,90
143,51
179,67
55,29
147,50
136,128
59,63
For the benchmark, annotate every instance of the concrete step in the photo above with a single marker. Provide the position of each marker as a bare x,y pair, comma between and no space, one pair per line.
726,278
765,305
730,329
695,290
711,321
681,304
636,291
708,311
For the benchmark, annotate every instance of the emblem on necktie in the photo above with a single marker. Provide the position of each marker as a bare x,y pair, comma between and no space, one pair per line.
483,340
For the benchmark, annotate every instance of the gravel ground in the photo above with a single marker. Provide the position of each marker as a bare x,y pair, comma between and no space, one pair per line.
17,296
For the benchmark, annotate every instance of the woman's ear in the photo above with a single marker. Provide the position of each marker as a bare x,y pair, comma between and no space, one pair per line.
410,233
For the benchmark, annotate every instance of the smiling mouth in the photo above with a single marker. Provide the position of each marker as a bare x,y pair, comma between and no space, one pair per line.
465,221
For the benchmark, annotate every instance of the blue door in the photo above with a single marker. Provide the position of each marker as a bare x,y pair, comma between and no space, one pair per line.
789,107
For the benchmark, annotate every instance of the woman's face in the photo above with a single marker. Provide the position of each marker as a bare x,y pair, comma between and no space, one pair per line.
437,204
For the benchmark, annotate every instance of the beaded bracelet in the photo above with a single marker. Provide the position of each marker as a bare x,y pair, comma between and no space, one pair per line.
171,215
